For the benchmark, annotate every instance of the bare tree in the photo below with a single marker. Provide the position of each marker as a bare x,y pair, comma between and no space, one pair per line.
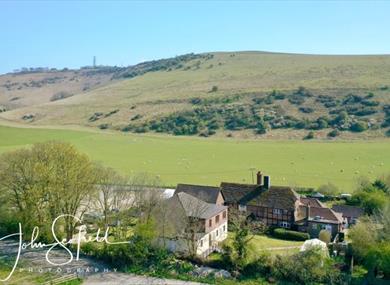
148,194
110,195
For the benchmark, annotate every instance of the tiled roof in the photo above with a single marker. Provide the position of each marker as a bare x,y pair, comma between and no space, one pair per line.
208,194
197,208
348,211
239,193
312,202
279,197
325,215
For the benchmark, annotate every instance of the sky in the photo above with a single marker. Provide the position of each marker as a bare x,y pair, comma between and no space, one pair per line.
69,33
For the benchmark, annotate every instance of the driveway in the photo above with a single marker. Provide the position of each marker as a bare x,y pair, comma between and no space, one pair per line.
125,279
92,271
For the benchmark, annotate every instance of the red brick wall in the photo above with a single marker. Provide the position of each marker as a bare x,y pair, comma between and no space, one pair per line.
215,224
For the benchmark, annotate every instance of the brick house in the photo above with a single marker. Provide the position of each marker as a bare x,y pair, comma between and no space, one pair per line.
210,222
281,206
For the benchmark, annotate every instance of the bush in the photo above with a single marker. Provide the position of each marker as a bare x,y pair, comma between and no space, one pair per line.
290,235
325,236
329,189
359,127
261,267
308,267
60,95
309,136
388,133
214,89
333,133
306,110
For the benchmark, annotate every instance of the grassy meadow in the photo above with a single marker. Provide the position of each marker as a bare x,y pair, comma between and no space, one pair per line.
210,161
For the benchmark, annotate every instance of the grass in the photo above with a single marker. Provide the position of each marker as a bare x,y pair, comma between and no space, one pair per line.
159,93
261,243
210,161
22,277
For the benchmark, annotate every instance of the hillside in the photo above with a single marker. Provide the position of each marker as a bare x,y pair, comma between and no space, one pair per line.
243,94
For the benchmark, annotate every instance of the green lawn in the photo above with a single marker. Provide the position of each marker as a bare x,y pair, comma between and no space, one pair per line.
210,161
261,243
274,246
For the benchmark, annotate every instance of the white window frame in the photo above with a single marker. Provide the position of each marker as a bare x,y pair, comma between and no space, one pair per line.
277,211
285,225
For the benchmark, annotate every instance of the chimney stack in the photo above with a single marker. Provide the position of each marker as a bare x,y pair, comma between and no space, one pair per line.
307,213
259,176
267,182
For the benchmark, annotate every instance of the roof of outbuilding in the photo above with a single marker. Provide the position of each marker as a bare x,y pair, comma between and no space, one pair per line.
348,211
325,215
208,194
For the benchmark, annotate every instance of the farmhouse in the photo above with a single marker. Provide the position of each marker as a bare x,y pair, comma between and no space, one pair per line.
281,206
276,206
198,227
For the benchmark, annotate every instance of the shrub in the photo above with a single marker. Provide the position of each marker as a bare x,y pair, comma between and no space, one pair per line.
359,127
261,267
306,110
309,136
60,95
388,133
325,236
290,235
307,267
333,133
329,189
103,126
214,89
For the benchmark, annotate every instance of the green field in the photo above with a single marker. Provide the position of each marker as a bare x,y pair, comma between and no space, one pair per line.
210,161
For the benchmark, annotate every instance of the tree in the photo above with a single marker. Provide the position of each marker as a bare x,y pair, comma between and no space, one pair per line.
148,193
329,189
243,233
110,197
46,181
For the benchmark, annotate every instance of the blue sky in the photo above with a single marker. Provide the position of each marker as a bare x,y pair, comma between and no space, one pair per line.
68,34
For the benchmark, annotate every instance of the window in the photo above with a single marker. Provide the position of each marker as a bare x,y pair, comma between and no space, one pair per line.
224,215
217,232
210,222
217,219
224,228
201,243
285,225
242,208
277,211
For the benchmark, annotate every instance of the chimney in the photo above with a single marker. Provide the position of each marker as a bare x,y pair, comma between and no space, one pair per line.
307,213
259,176
267,182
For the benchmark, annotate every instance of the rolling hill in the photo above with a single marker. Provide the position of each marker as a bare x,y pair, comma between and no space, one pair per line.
234,94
